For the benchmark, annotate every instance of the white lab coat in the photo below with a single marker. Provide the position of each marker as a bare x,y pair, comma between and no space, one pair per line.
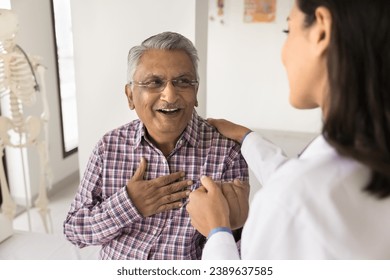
311,207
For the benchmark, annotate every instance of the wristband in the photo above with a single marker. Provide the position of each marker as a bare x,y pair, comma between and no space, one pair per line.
218,229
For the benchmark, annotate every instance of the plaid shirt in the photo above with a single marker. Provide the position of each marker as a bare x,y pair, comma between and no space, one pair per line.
103,214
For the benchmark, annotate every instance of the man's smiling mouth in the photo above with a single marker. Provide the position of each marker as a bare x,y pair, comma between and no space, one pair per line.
169,111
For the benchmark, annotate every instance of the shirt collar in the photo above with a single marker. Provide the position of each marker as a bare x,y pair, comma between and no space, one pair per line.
140,133
190,133
316,147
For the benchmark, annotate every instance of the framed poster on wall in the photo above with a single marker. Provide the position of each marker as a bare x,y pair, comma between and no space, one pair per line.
259,11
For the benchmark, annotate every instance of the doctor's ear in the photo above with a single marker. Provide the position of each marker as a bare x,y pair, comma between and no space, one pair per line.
129,95
322,29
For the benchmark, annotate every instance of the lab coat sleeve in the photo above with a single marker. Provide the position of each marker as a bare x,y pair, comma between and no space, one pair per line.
220,246
263,157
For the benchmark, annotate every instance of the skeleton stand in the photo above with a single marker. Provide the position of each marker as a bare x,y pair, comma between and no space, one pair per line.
18,81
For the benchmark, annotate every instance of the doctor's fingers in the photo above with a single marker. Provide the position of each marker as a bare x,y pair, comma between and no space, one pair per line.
209,184
199,199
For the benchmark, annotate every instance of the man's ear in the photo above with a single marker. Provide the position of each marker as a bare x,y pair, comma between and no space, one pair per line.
321,30
129,95
196,96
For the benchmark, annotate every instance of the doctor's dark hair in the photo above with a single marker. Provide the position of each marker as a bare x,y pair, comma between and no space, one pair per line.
162,41
357,120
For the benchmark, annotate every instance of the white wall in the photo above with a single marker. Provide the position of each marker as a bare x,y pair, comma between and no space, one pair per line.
246,79
35,36
104,31
243,77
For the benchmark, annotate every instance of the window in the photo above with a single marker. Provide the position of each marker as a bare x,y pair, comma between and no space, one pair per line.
5,4
66,76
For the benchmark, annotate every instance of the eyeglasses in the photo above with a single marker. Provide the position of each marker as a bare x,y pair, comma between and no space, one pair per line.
158,85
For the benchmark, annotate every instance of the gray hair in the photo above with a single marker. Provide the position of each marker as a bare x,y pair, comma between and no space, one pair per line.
161,41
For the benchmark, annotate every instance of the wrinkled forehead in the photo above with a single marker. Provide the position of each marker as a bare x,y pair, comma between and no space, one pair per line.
9,24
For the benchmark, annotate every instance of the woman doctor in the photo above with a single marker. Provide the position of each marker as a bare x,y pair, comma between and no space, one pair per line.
333,202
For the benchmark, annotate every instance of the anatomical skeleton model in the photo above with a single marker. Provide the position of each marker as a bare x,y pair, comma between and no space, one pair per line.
18,86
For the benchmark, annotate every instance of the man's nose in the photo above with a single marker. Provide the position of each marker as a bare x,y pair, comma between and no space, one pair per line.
169,94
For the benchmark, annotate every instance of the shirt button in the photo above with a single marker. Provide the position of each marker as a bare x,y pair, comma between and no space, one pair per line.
154,232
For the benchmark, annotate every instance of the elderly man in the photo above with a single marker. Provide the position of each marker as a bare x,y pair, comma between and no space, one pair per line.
131,198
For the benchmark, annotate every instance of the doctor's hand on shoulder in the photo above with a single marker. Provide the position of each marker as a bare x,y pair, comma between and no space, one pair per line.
229,129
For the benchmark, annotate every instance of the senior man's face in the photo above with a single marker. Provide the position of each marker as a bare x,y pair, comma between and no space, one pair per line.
165,112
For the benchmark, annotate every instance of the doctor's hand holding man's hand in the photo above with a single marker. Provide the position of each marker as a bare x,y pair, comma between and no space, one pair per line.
237,196
218,205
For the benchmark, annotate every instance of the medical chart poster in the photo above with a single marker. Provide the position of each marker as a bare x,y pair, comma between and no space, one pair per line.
259,11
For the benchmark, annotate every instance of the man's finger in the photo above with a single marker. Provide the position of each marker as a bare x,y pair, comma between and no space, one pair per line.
178,196
169,206
168,179
175,187
140,172
240,183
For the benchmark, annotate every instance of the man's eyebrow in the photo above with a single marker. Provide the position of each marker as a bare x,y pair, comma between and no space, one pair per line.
153,75
185,74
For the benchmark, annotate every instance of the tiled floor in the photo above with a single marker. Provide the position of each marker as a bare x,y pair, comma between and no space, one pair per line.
59,205
56,246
